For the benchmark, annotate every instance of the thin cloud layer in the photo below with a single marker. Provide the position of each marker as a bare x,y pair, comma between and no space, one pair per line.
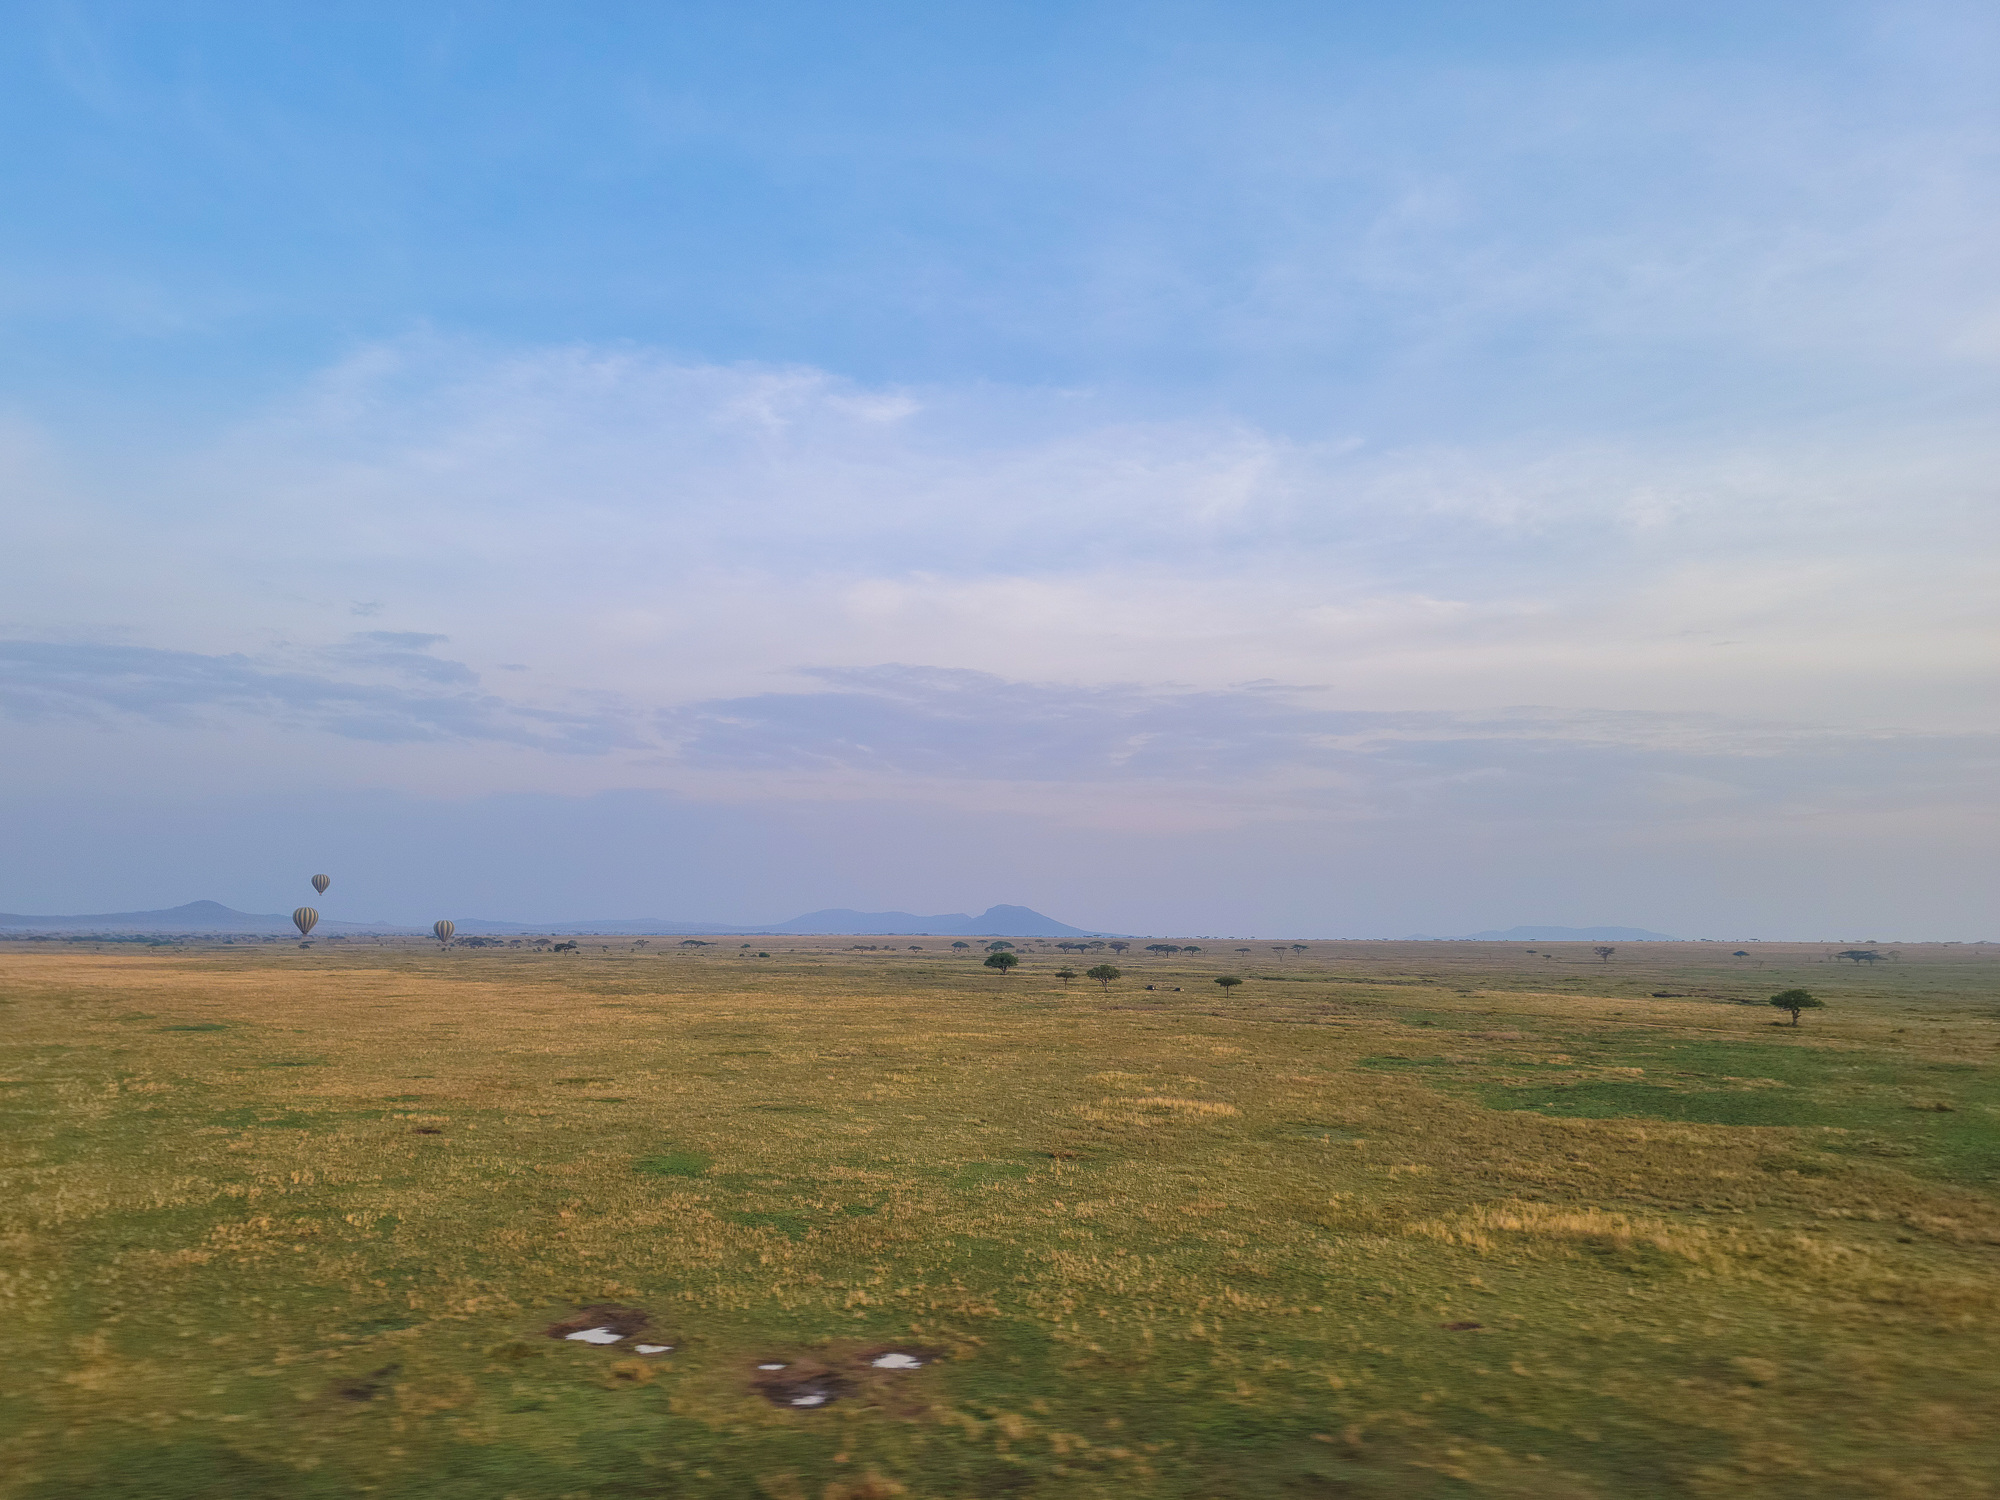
609,519
126,687
1223,757
1266,747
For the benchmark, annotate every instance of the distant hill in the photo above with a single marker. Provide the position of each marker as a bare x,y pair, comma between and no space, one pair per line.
1553,935
196,916
213,916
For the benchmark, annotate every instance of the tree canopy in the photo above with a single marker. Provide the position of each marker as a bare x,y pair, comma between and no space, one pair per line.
1104,974
1002,961
1796,1001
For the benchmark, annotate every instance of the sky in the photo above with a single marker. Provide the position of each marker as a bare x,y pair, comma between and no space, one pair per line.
1279,469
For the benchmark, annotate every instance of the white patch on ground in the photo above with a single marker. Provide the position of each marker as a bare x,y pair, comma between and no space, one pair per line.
897,1362
808,1400
595,1336
652,1348
770,1367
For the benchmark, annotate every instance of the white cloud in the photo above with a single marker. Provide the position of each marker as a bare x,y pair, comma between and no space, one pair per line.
621,523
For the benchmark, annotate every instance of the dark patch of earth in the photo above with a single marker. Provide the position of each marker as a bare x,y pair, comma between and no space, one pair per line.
623,1321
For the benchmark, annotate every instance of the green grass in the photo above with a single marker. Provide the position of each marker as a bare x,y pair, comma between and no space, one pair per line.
675,1164
1209,1248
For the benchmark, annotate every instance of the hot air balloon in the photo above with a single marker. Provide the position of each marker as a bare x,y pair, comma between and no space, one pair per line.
303,919
444,930
320,883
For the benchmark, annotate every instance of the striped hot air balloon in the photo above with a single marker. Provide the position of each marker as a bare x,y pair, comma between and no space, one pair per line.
444,930
320,883
303,919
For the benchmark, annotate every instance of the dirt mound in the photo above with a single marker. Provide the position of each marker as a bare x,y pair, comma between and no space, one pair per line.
367,1387
800,1384
873,1375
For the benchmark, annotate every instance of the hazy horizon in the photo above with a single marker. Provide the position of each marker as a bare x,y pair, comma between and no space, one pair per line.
1273,469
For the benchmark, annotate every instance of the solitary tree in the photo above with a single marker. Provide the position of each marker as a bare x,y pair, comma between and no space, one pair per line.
1065,975
1118,947
998,947
1861,955
1228,982
1002,961
961,947
1603,953
1104,974
1796,1001
1298,947
1244,951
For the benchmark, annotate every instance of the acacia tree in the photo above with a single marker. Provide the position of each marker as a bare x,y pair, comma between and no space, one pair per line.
1603,954
1118,947
1796,1001
1298,947
1065,975
1104,974
961,947
1228,982
1002,961
998,947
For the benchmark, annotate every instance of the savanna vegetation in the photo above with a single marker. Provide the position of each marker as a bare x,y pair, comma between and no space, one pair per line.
1383,1220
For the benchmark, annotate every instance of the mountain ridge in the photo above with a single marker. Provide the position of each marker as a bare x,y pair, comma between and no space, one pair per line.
213,916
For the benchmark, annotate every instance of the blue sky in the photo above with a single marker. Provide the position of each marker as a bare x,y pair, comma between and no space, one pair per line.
1268,468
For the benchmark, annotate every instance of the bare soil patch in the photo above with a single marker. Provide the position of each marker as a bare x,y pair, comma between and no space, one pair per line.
800,1384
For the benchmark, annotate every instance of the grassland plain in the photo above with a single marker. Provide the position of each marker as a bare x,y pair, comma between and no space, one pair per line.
1388,1220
